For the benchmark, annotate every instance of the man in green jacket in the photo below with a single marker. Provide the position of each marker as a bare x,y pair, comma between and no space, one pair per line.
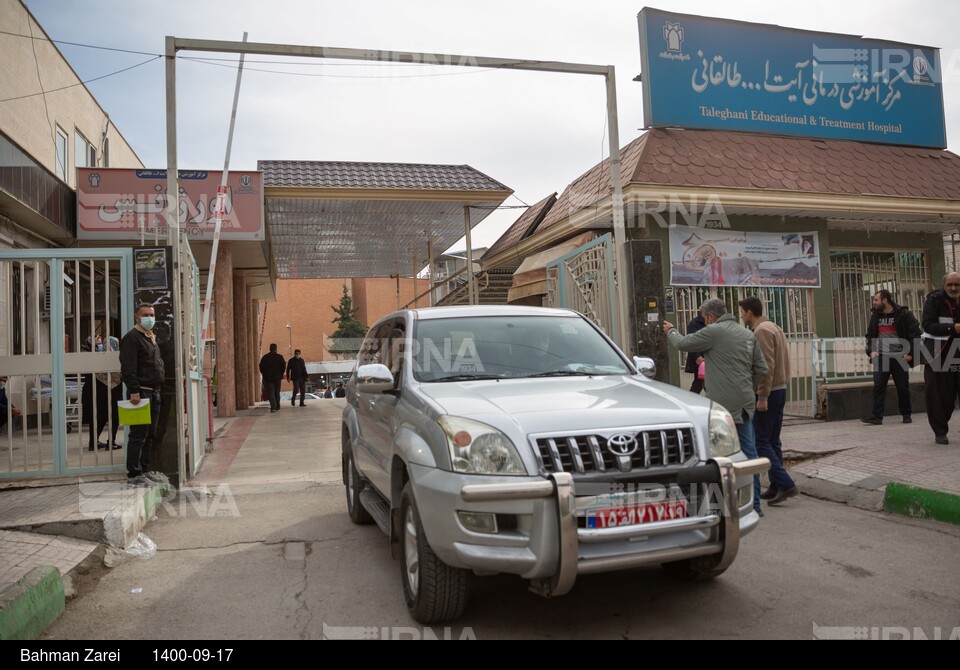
735,366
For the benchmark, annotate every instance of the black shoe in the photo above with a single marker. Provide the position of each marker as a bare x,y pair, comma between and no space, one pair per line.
302,405
907,418
872,420
759,512
102,445
941,439
117,446
783,495
768,494
293,403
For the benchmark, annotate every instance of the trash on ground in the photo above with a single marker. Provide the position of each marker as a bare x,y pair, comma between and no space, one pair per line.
142,547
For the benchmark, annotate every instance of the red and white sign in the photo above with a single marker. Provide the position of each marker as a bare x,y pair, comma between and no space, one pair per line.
632,515
119,204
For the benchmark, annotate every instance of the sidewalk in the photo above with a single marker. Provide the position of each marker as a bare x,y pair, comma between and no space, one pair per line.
67,527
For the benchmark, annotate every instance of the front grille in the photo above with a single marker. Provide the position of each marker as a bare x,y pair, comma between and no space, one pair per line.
581,454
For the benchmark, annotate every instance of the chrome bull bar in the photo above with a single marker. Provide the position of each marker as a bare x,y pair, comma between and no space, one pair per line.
560,486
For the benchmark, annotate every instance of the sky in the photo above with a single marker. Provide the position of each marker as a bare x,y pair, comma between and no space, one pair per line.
534,132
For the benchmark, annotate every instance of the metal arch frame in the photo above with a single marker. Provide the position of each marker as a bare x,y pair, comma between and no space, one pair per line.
174,44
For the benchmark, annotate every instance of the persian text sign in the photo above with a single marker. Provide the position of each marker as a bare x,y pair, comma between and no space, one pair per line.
705,257
115,204
701,72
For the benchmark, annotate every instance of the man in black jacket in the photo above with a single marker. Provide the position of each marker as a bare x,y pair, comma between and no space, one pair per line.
941,325
297,373
891,335
272,367
141,369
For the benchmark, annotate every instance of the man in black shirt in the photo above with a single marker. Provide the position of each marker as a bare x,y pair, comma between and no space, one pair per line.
141,369
272,367
297,373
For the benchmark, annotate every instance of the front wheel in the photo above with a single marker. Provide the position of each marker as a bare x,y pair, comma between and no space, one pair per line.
433,590
354,485
699,569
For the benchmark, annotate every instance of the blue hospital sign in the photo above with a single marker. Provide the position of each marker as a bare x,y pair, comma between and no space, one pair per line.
716,74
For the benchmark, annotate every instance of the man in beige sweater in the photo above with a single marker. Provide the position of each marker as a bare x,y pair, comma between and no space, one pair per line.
771,398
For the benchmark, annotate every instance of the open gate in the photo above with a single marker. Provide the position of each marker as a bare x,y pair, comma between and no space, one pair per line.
54,305
582,280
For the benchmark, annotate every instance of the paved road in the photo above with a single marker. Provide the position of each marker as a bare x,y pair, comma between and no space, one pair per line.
283,561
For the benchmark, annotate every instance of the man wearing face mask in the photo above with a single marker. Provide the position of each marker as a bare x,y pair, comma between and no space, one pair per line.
297,373
141,368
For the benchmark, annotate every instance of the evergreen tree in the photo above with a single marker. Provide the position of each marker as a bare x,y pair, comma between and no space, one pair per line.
350,330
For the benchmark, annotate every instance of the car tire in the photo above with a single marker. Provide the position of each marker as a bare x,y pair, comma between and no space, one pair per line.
433,590
699,569
354,485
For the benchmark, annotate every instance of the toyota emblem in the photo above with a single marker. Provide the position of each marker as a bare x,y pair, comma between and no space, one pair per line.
622,445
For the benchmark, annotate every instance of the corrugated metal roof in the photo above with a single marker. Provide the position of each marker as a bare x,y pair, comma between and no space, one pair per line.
343,226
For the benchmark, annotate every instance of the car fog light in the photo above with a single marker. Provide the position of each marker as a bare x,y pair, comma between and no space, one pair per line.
745,495
478,522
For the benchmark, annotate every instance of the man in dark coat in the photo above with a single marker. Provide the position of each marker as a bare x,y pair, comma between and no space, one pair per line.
297,373
694,358
891,335
941,376
272,367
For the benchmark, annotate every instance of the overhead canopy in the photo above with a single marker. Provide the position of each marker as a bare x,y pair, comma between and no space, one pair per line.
336,219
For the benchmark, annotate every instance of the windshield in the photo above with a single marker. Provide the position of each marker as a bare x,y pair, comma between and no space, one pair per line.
496,347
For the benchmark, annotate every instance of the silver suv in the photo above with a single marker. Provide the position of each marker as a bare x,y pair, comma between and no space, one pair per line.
519,440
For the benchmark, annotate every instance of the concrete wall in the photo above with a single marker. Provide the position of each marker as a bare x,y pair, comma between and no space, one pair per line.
28,66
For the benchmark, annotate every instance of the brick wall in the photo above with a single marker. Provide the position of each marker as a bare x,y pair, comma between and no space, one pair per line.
307,305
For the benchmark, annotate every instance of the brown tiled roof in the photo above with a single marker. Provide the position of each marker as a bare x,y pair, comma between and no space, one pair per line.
753,161
336,174
523,226
702,158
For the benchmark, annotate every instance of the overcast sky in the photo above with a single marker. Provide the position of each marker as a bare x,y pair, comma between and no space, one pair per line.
533,132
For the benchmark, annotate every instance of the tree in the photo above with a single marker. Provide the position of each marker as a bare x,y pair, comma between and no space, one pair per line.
350,330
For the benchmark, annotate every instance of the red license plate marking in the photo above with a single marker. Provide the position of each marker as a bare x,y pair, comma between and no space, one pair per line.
632,515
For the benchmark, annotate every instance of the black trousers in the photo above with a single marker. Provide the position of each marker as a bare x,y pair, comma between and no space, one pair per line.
883,368
942,391
298,385
97,395
140,438
273,394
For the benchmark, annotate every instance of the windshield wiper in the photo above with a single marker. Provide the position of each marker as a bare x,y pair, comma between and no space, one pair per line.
562,373
464,378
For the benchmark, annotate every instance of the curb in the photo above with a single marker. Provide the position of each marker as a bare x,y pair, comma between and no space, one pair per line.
121,526
920,503
32,604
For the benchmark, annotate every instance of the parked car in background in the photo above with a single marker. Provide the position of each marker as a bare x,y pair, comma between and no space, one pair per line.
288,395
520,440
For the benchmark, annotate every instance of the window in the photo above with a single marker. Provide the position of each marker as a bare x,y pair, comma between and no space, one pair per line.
61,167
84,153
106,152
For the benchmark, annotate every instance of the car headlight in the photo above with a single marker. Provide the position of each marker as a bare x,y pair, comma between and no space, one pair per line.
479,449
724,440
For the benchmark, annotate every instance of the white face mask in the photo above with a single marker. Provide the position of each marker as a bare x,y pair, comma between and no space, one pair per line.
147,322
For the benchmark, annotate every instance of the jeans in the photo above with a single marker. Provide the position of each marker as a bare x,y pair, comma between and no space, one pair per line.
273,394
141,437
766,426
298,385
748,446
883,368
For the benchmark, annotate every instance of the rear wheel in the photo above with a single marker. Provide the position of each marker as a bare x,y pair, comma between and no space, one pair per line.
354,485
433,590
699,569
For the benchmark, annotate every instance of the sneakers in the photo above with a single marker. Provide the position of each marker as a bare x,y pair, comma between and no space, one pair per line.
873,421
907,418
138,482
783,495
941,439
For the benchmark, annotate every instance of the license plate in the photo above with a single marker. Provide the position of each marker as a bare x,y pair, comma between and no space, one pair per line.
632,515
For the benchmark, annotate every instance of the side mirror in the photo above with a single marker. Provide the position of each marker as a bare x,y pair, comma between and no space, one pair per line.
646,366
374,378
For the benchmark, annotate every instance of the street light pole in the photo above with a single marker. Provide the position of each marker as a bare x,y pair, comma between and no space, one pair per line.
289,340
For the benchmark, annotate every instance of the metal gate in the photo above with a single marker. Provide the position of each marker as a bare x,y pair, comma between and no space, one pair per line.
196,397
790,308
582,280
55,304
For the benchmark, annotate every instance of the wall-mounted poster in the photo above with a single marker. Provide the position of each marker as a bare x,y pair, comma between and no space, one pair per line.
150,268
708,257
